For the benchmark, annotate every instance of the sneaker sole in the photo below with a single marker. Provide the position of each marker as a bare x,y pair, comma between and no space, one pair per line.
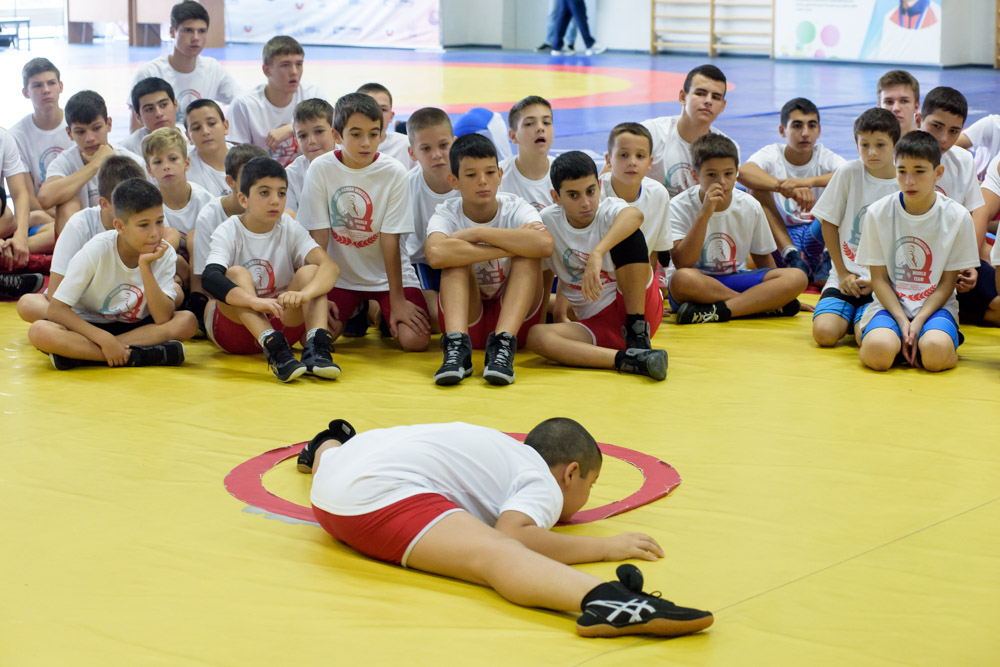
657,370
497,378
325,372
662,627
297,373
451,379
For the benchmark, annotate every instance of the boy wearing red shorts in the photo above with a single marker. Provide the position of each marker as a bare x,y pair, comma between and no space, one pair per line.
489,248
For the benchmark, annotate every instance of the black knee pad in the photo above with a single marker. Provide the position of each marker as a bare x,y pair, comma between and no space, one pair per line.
631,250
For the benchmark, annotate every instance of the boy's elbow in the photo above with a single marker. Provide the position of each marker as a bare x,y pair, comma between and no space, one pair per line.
547,247
433,255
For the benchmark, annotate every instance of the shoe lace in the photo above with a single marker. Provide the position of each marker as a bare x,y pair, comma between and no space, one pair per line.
502,355
706,315
453,352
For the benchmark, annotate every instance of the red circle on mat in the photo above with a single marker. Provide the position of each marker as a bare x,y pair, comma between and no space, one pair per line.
246,483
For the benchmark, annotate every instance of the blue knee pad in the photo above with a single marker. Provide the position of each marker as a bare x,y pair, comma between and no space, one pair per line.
882,320
943,321
831,305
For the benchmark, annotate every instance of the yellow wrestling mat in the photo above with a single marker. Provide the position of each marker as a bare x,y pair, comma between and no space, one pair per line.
828,515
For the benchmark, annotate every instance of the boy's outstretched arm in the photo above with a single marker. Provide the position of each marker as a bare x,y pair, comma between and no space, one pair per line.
571,549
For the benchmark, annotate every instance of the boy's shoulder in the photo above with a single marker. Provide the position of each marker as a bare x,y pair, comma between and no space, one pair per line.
959,157
251,97
100,245
662,124
211,211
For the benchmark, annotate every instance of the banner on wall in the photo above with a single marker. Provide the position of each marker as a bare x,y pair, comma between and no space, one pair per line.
404,24
893,31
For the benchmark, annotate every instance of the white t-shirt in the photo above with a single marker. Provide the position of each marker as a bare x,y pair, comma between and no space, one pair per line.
991,180
772,160
133,142
184,219
38,148
397,145
69,162
252,117
985,137
209,80
207,177
537,193
572,250
424,202
917,249
959,181
10,157
672,163
843,204
82,226
730,234
100,288
211,216
483,471
654,202
272,258
296,173
512,212
357,206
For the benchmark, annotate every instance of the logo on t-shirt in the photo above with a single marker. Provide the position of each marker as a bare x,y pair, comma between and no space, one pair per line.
912,261
680,177
263,276
793,214
575,262
718,254
351,217
850,247
490,276
122,304
46,158
285,152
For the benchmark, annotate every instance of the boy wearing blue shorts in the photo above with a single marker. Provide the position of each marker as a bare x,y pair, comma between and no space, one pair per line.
841,208
714,228
915,243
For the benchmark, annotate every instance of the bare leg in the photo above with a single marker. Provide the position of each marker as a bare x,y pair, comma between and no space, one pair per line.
522,294
53,338
937,351
778,287
569,344
33,307
460,298
632,280
828,329
879,349
255,322
431,297
64,211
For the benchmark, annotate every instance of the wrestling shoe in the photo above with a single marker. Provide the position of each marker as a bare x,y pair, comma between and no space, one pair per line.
170,353
457,364
14,285
638,336
499,367
823,270
338,429
620,607
651,363
61,363
280,359
316,356
700,313
793,260
789,309
356,325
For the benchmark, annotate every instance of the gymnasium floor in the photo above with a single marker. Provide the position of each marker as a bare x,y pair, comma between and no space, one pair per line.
828,515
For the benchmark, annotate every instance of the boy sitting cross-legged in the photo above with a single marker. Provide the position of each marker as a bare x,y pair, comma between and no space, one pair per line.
602,263
489,248
116,302
268,278
714,228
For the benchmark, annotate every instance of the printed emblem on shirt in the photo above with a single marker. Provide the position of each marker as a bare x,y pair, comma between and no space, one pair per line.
46,158
718,255
793,214
912,259
263,276
490,276
351,217
680,177
575,262
285,152
123,303
850,247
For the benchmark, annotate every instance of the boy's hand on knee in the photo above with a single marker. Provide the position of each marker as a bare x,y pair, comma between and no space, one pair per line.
632,545
411,315
114,352
291,299
267,306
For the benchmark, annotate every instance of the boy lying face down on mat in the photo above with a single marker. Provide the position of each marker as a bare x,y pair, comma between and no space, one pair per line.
472,503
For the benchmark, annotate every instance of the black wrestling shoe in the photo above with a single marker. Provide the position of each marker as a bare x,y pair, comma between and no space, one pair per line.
316,356
499,367
338,429
620,607
789,309
356,325
280,359
651,363
793,260
14,285
700,313
638,336
823,270
170,353
61,363
457,364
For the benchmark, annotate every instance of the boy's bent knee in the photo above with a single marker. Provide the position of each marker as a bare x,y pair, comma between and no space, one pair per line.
937,353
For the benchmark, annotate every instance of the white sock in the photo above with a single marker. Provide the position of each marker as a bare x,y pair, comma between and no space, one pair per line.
263,336
310,334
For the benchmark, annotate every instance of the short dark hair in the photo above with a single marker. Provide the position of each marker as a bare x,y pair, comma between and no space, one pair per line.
709,72
918,144
946,99
313,109
116,169
570,166
85,107
199,104
37,66
353,103
561,440
877,120
187,11
798,104
710,146
281,45
258,168
372,88
473,146
148,86
897,77
134,195
638,129
239,155
514,115
426,117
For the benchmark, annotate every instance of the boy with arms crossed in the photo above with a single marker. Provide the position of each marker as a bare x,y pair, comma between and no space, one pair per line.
268,278
116,303
207,128
914,243
477,505
714,228
393,143
489,248
527,174
356,205
313,124
854,187
602,263
787,179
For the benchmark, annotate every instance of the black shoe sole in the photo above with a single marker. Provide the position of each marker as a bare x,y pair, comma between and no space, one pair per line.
498,379
662,627
451,379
